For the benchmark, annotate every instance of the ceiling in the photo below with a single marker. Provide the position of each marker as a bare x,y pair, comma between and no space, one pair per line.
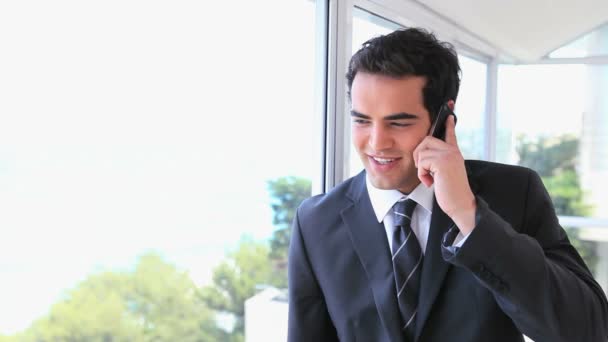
524,30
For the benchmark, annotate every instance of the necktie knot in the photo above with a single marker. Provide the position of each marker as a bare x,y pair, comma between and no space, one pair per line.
403,211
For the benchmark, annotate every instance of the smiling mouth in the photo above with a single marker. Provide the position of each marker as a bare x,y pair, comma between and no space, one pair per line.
383,161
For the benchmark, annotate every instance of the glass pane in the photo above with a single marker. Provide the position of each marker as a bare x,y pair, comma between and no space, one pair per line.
554,119
470,105
594,43
367,25
151,157
470,108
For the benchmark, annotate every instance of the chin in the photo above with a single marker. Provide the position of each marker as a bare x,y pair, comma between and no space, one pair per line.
384,184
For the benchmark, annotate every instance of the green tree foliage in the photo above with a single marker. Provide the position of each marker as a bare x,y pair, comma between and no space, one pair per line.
155,302
548,156
554,159
287,193
238,278
255,264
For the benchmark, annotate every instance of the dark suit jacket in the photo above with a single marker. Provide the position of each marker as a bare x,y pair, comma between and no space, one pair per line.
516,273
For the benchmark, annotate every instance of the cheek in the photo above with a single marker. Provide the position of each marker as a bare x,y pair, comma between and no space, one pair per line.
410,143
358,137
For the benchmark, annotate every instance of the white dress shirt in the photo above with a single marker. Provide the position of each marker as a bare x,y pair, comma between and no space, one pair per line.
383,201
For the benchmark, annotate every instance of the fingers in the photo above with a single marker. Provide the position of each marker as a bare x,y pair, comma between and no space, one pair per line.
425,174
431,152
450,131
428,143
430,156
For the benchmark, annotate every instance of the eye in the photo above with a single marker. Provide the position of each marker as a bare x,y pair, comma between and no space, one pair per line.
360,121
400,124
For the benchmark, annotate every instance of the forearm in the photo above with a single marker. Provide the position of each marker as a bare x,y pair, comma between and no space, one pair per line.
546,290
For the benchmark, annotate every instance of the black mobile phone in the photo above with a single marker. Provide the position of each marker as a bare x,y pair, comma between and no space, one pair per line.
438,128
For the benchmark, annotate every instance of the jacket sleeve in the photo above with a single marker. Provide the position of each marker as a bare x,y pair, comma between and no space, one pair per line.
309,319
534,273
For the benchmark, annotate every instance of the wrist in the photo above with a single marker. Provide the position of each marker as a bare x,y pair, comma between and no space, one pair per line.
465,218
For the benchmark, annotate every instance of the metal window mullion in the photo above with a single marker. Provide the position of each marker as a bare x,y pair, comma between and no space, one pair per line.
339,44
321,95
490,121
600,60
580,221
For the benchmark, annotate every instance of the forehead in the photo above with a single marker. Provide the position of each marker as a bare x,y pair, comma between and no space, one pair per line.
379,94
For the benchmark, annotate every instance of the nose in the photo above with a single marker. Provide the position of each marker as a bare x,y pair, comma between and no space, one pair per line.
380,139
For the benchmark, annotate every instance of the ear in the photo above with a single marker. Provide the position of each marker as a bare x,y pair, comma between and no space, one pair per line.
451,104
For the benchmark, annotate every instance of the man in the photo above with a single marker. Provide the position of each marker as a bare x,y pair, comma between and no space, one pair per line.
422,245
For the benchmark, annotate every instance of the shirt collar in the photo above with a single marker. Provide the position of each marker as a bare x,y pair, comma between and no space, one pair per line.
383,200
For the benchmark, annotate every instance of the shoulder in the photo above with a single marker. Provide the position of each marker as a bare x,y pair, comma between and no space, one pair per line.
334,201
343,192
489,171
480,167
501,178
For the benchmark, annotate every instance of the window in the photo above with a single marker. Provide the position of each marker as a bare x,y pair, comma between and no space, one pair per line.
146,148
470,107
553,118
594,43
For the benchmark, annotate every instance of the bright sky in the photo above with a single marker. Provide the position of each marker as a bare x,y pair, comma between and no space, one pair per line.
130,126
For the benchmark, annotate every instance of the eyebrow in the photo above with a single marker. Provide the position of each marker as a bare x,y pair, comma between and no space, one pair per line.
396,116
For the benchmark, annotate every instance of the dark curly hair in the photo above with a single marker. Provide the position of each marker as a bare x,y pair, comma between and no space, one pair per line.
411,52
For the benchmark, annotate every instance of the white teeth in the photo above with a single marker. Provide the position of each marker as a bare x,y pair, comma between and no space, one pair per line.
383,160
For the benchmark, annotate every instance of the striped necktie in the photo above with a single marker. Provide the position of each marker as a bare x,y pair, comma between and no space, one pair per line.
407,265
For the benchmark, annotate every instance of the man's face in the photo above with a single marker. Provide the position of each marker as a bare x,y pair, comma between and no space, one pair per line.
388,121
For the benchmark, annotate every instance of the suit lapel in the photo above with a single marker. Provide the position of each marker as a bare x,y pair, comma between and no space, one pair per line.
434,267
369,240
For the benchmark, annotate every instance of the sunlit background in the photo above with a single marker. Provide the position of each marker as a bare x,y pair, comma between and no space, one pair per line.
152,155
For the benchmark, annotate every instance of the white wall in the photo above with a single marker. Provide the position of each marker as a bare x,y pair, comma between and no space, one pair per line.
266,317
